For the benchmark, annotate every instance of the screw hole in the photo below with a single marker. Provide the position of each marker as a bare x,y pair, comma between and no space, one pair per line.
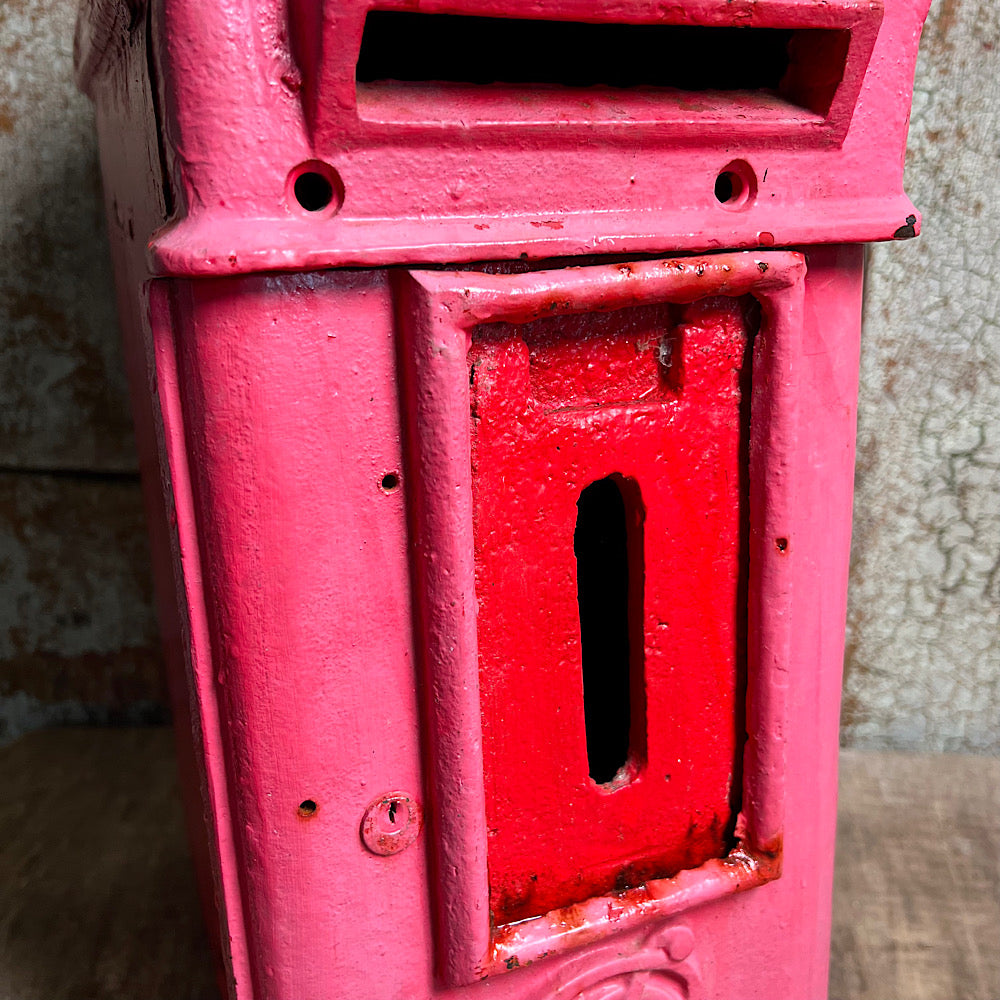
781,543
390,482
316,187
307,808
726,186
736,185
313,191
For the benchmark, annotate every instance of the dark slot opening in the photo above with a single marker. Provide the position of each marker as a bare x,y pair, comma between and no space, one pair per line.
404,45
601,544
752,313
801,67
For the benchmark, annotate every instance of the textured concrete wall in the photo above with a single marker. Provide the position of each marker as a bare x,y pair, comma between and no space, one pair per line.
77,637
923,656
77,633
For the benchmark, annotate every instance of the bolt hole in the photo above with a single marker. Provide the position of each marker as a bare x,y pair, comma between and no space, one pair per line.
307,808
726,186
316,187
781,543
313,191
736,185
392,812
390,482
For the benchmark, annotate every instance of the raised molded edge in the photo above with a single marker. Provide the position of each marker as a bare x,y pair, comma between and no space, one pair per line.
436,312
326,40
280,76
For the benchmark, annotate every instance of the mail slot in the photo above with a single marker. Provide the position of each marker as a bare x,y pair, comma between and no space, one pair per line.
495,382
438,62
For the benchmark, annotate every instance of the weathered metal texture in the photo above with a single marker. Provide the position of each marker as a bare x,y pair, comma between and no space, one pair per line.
325,507
77,638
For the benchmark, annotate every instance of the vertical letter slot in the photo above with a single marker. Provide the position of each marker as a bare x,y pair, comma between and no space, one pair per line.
608,581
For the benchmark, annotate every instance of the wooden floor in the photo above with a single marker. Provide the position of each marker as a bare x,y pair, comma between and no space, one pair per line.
917,890
97,900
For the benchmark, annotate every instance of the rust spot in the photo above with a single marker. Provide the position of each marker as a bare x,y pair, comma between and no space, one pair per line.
762,266
481,225
908,231
232,260
772,850
625,269
947,17
569,918
548,224
781,544
6,120
391,823
307,809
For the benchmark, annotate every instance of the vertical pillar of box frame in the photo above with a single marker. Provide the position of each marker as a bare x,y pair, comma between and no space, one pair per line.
117,65
311,458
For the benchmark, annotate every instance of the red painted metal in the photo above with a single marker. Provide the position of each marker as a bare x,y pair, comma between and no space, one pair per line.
558,404
440,314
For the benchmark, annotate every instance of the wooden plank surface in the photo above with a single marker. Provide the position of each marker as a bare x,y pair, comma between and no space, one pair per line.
97,896
917,885
97,899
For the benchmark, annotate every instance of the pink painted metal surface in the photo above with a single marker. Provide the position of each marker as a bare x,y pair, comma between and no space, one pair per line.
257,93
319,732
363,484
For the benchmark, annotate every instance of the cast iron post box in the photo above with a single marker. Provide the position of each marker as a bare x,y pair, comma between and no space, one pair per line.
495,376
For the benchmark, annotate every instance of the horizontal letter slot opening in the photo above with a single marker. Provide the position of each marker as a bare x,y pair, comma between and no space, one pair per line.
416,67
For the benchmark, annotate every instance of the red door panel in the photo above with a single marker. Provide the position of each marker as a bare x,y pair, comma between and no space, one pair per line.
609,474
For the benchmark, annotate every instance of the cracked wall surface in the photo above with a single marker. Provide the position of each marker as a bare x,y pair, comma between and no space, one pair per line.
77,636
922,668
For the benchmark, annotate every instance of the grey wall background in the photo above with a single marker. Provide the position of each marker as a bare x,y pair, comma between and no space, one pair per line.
77,633
923,650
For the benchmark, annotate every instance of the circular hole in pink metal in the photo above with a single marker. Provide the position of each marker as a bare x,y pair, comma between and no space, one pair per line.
736,185
390,482
316,188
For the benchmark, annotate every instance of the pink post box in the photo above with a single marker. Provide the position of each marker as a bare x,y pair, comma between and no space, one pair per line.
494,371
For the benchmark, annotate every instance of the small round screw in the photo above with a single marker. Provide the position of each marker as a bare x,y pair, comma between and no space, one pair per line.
391,823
